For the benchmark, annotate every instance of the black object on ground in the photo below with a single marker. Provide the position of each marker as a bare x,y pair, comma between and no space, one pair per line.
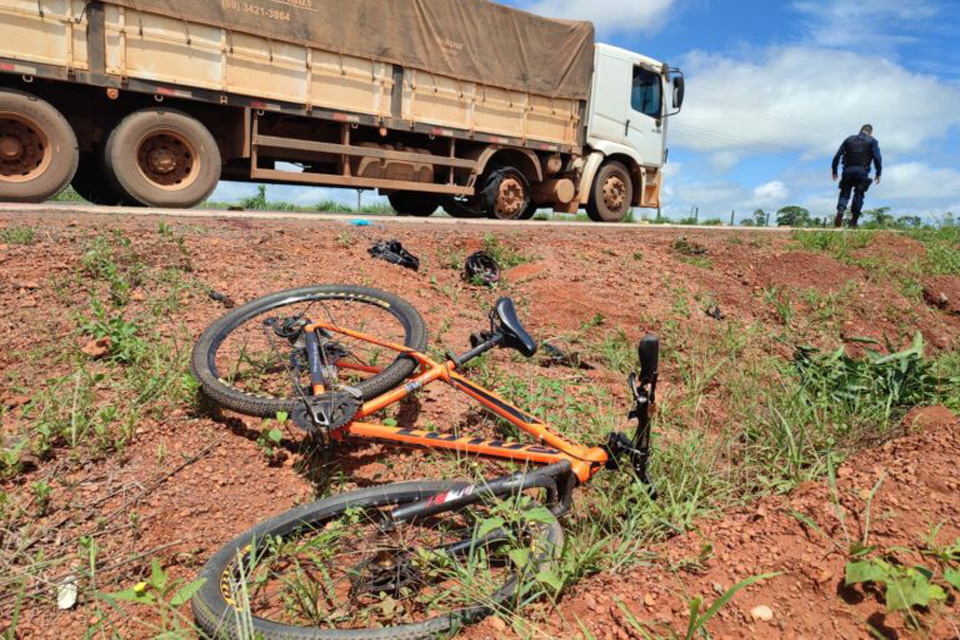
392,251
481,268
554,356
714,312
222,298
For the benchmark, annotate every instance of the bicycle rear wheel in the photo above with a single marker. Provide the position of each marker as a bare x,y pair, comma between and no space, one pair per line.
253,359
329,571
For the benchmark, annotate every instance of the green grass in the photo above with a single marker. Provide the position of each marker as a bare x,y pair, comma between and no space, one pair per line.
18,235
505,254
260,202
837,244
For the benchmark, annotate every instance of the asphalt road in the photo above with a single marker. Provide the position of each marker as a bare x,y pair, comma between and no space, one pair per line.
11,209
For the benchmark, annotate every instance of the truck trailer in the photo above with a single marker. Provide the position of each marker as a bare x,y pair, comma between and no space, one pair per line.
466,105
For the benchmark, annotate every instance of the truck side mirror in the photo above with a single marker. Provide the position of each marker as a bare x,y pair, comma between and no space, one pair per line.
679,90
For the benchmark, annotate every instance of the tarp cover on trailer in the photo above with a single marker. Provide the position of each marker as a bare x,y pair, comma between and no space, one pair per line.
473,40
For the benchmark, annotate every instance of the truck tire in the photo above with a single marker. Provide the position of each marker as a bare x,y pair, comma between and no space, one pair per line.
530,211
611,198
91,183
162,158
411,203
462,209
512,197
38,148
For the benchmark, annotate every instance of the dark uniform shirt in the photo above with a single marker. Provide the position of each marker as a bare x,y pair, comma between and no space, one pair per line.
858,152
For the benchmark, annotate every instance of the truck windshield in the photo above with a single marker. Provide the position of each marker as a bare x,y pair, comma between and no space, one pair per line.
646,97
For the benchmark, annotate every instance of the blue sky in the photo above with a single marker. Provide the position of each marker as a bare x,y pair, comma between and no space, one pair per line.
774,87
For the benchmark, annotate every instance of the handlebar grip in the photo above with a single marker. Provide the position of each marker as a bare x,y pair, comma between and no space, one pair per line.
649,352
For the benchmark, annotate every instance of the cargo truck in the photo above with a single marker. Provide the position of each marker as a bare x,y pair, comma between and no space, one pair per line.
465,105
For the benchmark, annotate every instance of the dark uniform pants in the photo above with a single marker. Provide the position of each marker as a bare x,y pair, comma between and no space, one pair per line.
857,182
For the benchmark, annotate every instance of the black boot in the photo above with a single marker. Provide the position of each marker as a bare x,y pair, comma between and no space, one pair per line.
838,221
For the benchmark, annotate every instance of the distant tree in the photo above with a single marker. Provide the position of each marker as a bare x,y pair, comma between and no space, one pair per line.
689,221
910,222
879,217
793,216
761,218
713,222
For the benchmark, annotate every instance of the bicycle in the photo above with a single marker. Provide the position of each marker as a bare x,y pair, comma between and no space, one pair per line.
345,567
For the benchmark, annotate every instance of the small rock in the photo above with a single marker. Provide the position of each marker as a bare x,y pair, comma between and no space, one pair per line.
97,348
719,588
649,600
762,613
824,576
67,594
27,284
844,472
498,624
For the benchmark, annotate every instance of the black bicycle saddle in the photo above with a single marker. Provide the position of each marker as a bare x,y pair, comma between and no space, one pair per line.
515,336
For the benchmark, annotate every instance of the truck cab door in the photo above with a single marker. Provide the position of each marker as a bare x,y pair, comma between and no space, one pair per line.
608,106
645,118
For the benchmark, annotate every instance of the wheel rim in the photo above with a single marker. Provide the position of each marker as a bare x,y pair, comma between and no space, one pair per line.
256,359
167,160
339,572
614,193
511,198
25,152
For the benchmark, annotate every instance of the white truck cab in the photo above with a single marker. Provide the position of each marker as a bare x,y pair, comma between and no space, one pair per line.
631,99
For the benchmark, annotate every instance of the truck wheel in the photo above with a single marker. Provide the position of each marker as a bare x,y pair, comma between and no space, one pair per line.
91,183
529,212
612,196
162,158
38,148
512,198
463,208
411,203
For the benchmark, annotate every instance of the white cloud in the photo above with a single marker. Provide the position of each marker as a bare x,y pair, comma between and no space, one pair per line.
918,181
772,193
619,16
723,161
802,99
877,25
718,199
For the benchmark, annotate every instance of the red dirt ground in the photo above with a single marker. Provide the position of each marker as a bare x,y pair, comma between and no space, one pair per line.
197,481
919,482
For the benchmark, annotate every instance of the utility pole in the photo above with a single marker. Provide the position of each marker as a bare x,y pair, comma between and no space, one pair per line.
359,199
696,216
733,214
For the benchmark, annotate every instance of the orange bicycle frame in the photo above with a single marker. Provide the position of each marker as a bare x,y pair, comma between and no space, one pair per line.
549,448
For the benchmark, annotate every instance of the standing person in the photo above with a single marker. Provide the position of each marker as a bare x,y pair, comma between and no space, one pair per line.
857,152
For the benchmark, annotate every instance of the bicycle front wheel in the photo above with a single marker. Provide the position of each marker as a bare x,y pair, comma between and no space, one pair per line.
330,570
253,360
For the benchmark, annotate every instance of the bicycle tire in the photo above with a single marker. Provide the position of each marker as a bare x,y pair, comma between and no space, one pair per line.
220,619
203,359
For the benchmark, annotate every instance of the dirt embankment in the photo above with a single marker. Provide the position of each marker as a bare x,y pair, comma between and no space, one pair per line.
187,481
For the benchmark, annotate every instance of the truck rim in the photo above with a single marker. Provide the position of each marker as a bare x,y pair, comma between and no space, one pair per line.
511,199
25,151
167,159
614,193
